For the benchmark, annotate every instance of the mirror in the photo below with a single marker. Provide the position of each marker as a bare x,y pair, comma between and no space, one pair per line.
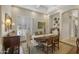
8,22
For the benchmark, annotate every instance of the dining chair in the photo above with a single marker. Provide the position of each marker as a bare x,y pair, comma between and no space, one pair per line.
77,43
56,39
40,42
56,42
48,45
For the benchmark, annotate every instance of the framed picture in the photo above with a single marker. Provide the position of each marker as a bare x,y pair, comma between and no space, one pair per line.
41,25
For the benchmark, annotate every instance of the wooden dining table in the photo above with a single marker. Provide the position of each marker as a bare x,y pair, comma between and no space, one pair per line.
41,38
43,35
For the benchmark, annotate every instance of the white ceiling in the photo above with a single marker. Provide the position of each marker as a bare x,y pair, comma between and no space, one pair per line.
43,8
40,8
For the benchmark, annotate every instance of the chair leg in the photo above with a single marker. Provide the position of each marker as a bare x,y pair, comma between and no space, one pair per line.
47,50
58,46
77,51
44,49
52,48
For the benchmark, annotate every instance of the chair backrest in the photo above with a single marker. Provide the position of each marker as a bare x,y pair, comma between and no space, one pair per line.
11,42
77,42
49,40
55,31
57,37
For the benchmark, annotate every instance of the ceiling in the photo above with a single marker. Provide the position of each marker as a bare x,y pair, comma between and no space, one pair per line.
44,8
40,8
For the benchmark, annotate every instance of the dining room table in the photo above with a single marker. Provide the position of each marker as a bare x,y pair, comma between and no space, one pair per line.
39,38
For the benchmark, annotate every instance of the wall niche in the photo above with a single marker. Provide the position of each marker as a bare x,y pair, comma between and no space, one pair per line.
54,21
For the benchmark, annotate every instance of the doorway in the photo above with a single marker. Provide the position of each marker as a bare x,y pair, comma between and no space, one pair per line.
68,28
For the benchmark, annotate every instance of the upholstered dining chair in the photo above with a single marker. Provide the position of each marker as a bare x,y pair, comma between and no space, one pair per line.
11,45
77,43
48,45
56,38
56,42
40,42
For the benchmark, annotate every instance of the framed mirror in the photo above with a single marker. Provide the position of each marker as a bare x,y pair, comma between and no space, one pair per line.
8,22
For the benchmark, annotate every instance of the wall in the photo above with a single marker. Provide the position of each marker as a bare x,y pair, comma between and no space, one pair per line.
4,9
67,23
16,12
71,20
19,15
52,20
0,21
29,15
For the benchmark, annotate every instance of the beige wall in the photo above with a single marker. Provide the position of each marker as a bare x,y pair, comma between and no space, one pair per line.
17,11
35,18
51,20
0,20
4,9
67,23
14,12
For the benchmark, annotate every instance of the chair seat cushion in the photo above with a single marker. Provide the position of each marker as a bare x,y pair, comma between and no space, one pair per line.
45,44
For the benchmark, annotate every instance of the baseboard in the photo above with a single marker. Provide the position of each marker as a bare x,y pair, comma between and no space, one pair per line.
71,42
